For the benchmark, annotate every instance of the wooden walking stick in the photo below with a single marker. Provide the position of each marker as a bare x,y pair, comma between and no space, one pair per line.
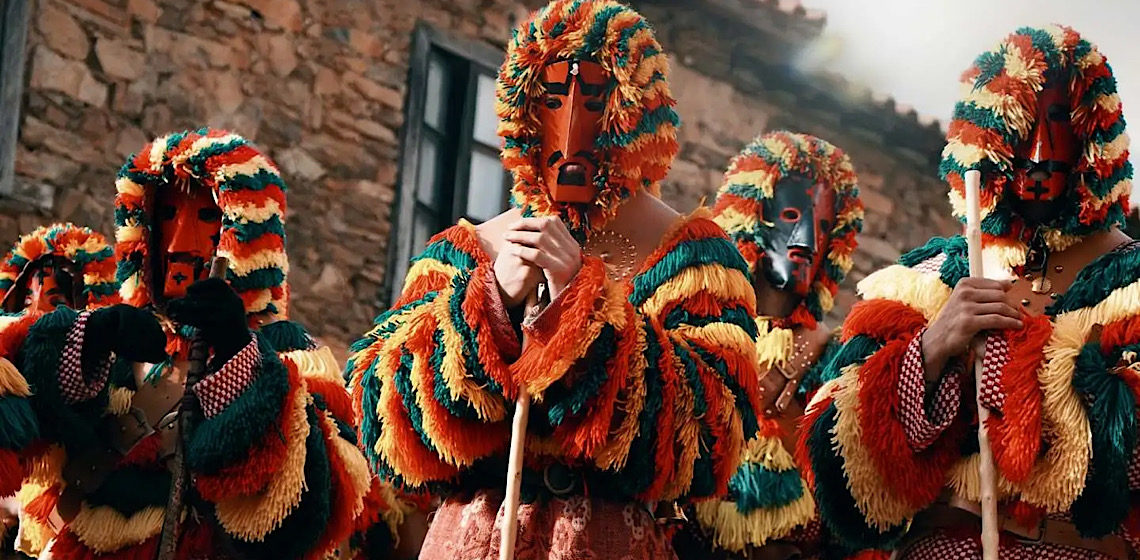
515,458
988,496
187,417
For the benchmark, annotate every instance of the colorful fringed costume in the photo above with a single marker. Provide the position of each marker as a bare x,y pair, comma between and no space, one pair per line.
767,499
276,472
644,386
29,466
887,450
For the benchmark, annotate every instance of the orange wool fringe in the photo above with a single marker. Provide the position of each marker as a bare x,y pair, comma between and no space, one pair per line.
1015,434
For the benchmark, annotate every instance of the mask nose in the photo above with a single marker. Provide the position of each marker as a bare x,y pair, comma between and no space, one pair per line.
184,233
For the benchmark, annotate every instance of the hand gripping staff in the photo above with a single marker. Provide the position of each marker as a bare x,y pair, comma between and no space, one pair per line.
188,416
988,497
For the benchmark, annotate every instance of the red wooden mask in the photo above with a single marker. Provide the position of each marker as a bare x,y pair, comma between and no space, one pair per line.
570,116
189,226
1045,160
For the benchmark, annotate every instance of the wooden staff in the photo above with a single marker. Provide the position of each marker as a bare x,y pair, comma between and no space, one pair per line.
515,458
988,497
187,418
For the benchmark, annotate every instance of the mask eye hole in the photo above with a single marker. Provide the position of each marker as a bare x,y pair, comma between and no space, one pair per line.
1039,175
166,212
790,215
595,106
553,103
1058,112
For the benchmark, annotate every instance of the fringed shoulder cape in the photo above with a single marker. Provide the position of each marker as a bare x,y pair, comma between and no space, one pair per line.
1063,395
648,385
275,455
767,498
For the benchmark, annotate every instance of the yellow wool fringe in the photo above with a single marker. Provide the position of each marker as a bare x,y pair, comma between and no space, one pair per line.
354,463
966,480
319,363
119,402
488,406
881,509
688,436
252,517
925,292
104,530
631,402
715,279
12,383
735,531
34,535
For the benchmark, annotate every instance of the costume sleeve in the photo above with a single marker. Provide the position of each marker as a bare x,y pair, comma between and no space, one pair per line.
1107,376
430,381
856,445
276,451
655,385
18,424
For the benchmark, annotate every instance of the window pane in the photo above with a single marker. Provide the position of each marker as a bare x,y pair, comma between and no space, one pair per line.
485,186
438,82
485,119
428,167
422,230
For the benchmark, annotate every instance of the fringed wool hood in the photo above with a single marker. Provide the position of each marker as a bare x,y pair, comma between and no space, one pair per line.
639,126
86,249
751,178
997,112
247,188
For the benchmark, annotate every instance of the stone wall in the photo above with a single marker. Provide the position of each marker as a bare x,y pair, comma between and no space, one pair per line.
320,85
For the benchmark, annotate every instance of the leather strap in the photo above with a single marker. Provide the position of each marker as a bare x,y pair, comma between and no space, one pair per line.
153,407
779,384
960,513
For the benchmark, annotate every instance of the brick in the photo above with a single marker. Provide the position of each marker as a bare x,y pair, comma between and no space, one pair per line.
44,166
365,43
63,33
102,13
227,92
130,140
326,82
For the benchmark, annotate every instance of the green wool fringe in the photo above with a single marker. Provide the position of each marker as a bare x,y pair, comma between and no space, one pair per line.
18,424
301,530
129,490
227,437
755,487
1095,282
287,336
1103,505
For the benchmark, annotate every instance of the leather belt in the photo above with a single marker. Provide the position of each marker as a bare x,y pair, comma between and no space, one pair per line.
959,513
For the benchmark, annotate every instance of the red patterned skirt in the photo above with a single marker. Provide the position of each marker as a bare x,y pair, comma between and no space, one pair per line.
571,528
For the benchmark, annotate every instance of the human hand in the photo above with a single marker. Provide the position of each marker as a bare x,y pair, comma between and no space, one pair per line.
217,311
130,332
975,305
547,244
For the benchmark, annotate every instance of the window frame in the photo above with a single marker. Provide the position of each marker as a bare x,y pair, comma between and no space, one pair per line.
14,16
480,58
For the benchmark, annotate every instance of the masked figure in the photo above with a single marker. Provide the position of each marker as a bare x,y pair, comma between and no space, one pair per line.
892,442
274,466
791,204
641,361
57,265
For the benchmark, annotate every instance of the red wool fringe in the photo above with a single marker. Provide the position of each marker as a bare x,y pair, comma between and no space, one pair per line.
1015,434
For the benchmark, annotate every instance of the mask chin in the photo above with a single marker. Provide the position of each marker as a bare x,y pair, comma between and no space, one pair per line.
787,275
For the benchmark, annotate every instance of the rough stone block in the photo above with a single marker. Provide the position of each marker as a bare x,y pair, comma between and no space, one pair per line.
119,60
62,33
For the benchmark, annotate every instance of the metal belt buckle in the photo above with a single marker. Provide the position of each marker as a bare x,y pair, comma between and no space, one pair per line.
1034,540
552,483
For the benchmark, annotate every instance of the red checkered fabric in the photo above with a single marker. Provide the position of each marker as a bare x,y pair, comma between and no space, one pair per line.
219,389
997,356
933,264
75,384
940,546
922,421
